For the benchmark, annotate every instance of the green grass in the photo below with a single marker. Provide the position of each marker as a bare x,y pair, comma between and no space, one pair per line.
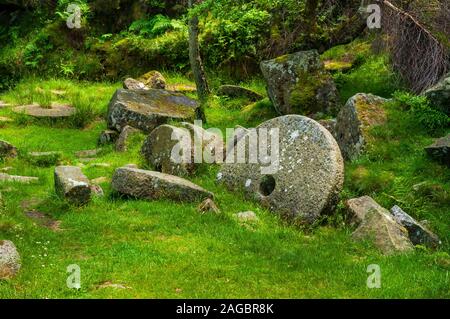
167,250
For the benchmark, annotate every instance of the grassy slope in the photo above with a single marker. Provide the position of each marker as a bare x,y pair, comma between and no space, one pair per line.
162,249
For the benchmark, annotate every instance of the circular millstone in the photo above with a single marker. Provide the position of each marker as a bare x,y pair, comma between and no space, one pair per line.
310,171
56,111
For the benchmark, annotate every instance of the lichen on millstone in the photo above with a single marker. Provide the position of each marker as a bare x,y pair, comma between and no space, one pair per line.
72,185
308,174
299,84
145,110
152,185
9,260
439,95
356,117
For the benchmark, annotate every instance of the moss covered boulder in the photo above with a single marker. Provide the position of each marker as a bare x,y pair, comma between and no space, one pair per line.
147,109
355,119
299,84
153,79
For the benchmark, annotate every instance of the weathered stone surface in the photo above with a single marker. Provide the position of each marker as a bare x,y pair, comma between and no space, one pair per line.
439,95
7,150
299,84
72,185
239,133
44,158
56,111
360,113
17,179
3,104
310,170
145,110
440,150
4,120
418,234
132,84
384,231
97,190
159,145
124,138
358,207
239,91
208,206
377,224
153,79
108,137
9,260
154,185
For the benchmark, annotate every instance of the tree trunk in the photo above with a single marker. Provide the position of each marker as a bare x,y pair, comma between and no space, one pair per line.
196,64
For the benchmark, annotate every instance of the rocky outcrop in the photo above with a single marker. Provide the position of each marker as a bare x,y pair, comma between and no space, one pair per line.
72,185
299,84
300,179
145,110
9,260
440,150
152,185
360,113
439,95
418,234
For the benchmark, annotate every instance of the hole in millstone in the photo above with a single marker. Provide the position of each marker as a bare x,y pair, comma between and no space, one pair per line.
267,185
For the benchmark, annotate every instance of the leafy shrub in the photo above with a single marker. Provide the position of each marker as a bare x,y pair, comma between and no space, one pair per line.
421,110
157,25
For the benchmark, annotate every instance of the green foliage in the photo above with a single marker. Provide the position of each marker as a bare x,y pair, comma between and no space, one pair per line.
419,107
155,26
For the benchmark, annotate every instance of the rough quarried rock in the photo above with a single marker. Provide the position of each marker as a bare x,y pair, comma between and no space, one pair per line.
123,141
108,137
358,207
44,158
439,95
56,111
239,91
208,206
17,179
378,225
158,150
418,234
330,125
132,84
145,110
153,79
299,84
440,150
72,185
301,179
360,113
154,185
7,150
9,260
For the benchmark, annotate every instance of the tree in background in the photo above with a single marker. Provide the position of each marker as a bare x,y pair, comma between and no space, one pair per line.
196,62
